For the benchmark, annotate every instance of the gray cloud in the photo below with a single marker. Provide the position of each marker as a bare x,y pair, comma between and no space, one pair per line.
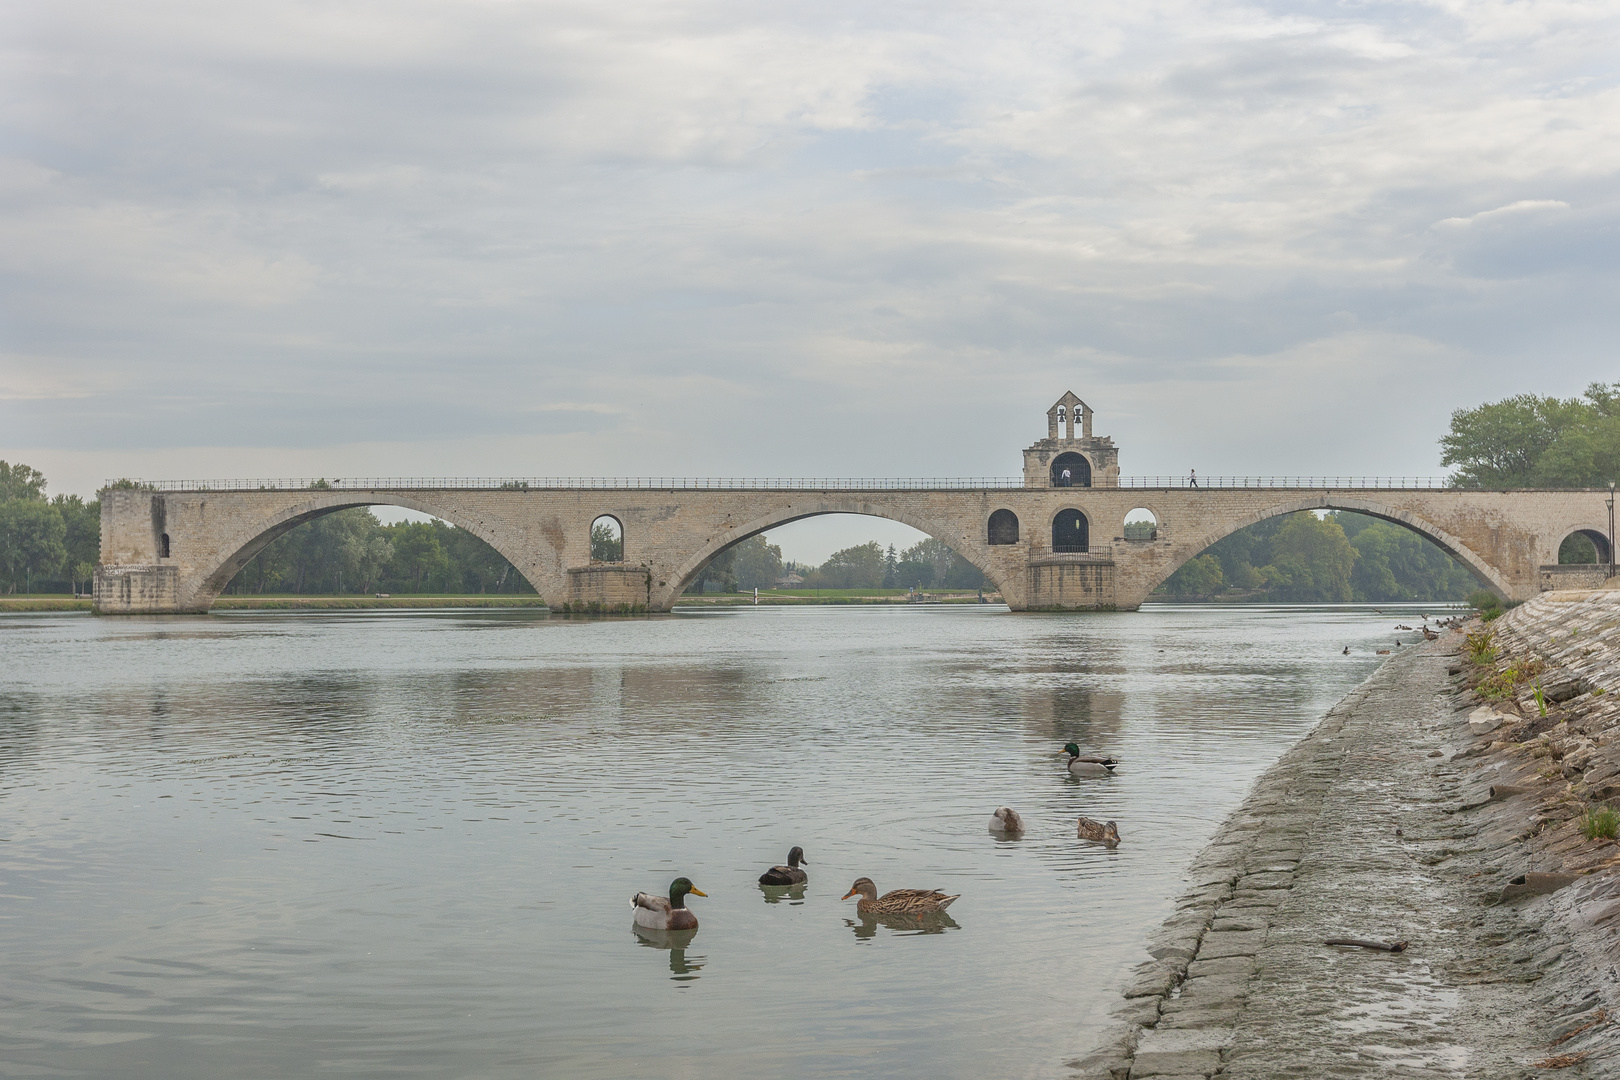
743,239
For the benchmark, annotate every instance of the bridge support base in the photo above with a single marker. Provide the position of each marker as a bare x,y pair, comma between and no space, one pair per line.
138,590
1072,583
607,590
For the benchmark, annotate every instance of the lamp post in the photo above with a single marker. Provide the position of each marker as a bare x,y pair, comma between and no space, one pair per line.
1611,530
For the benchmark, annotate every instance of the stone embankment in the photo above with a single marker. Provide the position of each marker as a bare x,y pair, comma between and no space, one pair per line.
1399,820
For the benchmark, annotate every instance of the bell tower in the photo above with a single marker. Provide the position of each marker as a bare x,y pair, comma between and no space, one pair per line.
1067,458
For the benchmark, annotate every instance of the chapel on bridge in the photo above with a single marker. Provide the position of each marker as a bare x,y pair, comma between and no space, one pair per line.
1066,458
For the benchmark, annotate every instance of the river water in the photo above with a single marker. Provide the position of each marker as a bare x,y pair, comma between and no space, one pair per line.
383,844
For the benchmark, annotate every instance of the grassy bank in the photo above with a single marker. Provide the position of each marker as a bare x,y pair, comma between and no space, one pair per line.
331,603
44,602
294,602
790,597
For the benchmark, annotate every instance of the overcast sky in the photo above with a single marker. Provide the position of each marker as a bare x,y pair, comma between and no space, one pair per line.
735,239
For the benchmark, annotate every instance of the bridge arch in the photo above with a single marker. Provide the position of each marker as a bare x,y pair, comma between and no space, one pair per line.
1488,576
1598,537
973,550
237,551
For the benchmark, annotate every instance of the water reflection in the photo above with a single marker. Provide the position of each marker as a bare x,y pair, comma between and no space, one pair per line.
775,894
901,925
681,967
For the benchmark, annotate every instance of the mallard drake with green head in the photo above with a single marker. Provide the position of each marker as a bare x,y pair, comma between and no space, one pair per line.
898,902
789,874
657,913
1088,766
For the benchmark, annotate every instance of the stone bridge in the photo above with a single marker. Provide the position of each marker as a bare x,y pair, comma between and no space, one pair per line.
1056,540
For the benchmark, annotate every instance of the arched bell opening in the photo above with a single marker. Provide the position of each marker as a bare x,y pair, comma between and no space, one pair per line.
1003,527
1071,533
607,539
1584,546
1071,470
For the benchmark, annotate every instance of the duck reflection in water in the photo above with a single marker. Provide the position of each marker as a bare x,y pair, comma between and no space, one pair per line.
675,942
775,894
866,927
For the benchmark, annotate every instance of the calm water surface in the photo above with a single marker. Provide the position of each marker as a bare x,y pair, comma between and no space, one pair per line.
403,844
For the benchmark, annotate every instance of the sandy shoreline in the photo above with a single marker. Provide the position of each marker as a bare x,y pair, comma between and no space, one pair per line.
1382,824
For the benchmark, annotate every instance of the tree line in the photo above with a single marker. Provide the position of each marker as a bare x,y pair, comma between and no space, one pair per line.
757,563
1343,557
350,551
47,545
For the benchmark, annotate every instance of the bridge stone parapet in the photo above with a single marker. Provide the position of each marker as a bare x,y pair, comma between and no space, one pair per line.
1053,543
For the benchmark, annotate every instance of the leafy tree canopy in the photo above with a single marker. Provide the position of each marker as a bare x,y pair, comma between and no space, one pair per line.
1529,441
21,482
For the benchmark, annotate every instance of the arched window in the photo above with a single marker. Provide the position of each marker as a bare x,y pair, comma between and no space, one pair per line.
163,546
1004,527
1070,532
607,539
1071,470
1141,524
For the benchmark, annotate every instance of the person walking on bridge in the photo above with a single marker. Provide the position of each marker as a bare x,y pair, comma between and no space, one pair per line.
1192,477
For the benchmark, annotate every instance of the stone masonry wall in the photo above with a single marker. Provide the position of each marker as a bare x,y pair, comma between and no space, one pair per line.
1504,537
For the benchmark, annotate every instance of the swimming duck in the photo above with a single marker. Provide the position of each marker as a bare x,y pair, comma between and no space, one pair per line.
1006,820
789,874
1088,766
899,901
656,913
1099,832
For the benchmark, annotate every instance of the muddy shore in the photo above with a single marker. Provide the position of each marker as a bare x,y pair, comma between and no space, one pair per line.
1399,820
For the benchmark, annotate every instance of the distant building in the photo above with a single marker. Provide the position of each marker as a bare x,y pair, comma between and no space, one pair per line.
790,580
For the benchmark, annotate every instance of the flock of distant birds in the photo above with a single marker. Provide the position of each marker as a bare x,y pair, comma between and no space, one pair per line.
1429,633
671,913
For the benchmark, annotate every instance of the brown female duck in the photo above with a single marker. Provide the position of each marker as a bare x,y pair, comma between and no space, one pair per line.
899,901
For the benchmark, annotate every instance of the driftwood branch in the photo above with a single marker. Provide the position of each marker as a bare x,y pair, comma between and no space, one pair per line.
1384,946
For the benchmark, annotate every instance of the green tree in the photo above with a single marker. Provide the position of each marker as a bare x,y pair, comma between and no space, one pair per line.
933,562
859,567
607,542
31,541
1393,563
83,523
1311,561
758,563
474,566
21,482
1530,441
343,551
1201,576
419,559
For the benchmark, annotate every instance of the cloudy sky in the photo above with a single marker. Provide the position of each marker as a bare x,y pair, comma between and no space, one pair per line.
741,239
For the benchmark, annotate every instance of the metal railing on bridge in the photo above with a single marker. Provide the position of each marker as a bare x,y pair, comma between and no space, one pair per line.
646,483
